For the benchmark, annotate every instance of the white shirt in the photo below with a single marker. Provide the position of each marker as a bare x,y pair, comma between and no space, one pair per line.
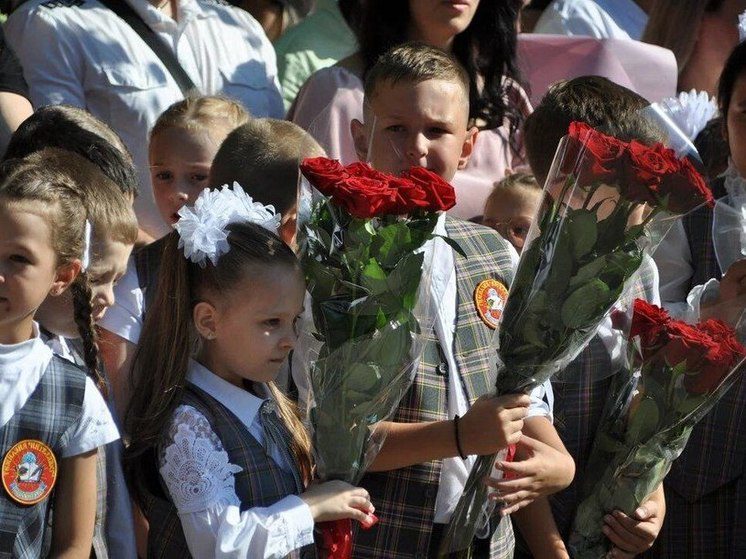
201,482
21,369
85,55
603,19
674,259
443,290
125,317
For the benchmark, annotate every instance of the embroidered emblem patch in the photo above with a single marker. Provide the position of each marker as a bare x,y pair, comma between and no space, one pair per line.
29,472
489,298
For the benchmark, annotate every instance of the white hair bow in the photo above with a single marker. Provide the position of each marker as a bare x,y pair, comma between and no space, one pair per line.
202,228
742,27
691,111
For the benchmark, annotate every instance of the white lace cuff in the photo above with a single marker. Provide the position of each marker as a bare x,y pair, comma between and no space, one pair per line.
194,464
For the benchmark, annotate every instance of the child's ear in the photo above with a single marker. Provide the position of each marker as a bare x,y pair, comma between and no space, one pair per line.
359,139
288,228
205,317
65,275
468,147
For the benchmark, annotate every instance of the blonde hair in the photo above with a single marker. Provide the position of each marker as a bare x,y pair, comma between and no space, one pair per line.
513,182
196,113
262,156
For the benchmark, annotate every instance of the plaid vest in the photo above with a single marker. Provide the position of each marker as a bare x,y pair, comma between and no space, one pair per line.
705,489
147,264
405,498
50,415
579,400
260,483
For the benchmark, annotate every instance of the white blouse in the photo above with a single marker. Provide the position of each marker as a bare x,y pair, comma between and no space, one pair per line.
21,368
201,482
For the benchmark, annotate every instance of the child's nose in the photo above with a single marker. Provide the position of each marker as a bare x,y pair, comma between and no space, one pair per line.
417,148
107,296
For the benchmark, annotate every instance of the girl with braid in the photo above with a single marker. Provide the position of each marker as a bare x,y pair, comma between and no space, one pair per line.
53,418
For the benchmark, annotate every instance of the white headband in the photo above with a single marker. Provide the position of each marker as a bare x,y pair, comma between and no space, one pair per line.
202,228
742,27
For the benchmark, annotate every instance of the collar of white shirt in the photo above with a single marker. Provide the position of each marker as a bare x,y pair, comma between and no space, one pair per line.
21,367
188,10
242,403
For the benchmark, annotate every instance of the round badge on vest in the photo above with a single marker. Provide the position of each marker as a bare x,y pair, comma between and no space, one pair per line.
489,298
29,472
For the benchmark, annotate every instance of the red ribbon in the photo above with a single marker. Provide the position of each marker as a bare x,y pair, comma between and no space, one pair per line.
336,537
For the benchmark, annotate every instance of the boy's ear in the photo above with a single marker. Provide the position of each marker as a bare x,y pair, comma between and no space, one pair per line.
359,139
205,317
288,228
65,275
468,147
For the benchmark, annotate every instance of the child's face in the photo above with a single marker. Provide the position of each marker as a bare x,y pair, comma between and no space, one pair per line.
180,161
416,124
249,332
28,270
736,125
108,264
510,212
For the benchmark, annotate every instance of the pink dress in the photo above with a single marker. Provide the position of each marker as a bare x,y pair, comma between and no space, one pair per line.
333,96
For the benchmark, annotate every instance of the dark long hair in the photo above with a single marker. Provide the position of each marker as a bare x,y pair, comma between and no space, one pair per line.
487,49
734,67
169,338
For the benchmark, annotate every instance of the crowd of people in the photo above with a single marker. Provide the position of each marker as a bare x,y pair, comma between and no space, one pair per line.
152,400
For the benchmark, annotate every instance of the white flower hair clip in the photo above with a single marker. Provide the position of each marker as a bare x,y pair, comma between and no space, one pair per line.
691,111
202,228
742,27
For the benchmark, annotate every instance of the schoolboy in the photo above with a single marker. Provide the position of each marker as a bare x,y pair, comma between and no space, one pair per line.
580,391
510,207
416,113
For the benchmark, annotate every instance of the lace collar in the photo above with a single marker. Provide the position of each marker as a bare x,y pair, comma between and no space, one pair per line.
735,184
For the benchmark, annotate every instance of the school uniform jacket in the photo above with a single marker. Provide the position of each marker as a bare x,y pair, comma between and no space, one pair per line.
50,415
260,483
405,498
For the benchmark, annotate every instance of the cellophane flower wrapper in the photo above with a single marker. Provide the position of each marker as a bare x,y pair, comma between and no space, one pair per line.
368,279
580,256
676,372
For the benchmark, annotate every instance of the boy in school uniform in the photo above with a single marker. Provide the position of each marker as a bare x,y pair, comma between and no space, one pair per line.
416,113
580,391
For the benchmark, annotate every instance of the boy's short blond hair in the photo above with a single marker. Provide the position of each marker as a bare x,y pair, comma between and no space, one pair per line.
263,156
514,181
198,112
416,62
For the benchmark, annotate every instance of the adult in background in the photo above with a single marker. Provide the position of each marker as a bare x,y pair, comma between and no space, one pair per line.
481,35
80,53
701,34
603,19
14,104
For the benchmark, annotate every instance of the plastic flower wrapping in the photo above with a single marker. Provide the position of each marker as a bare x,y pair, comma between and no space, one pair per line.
366,259
607,202
675,373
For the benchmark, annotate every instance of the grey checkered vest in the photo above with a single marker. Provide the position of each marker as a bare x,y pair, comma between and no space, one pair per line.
405,498
260,483
580,393
51,415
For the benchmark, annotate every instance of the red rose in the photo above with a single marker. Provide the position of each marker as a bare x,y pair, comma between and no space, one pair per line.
718,362
685,189
687,343
648,322
364,197
359,169
409,196
440,195
323,173
591,156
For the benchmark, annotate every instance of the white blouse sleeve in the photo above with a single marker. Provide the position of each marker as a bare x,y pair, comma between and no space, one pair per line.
201,482
96,427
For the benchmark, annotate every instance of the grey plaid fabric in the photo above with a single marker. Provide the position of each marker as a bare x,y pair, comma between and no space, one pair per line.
50,415
579,397
405,498
147,263
260,483
705,489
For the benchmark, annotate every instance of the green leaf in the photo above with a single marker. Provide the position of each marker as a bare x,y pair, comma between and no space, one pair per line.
644,422
588,272
561,261
531,332
583,232
453,244
585,304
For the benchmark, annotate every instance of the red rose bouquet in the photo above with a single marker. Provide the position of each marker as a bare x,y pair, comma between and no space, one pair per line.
605,203
365,267
678,372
